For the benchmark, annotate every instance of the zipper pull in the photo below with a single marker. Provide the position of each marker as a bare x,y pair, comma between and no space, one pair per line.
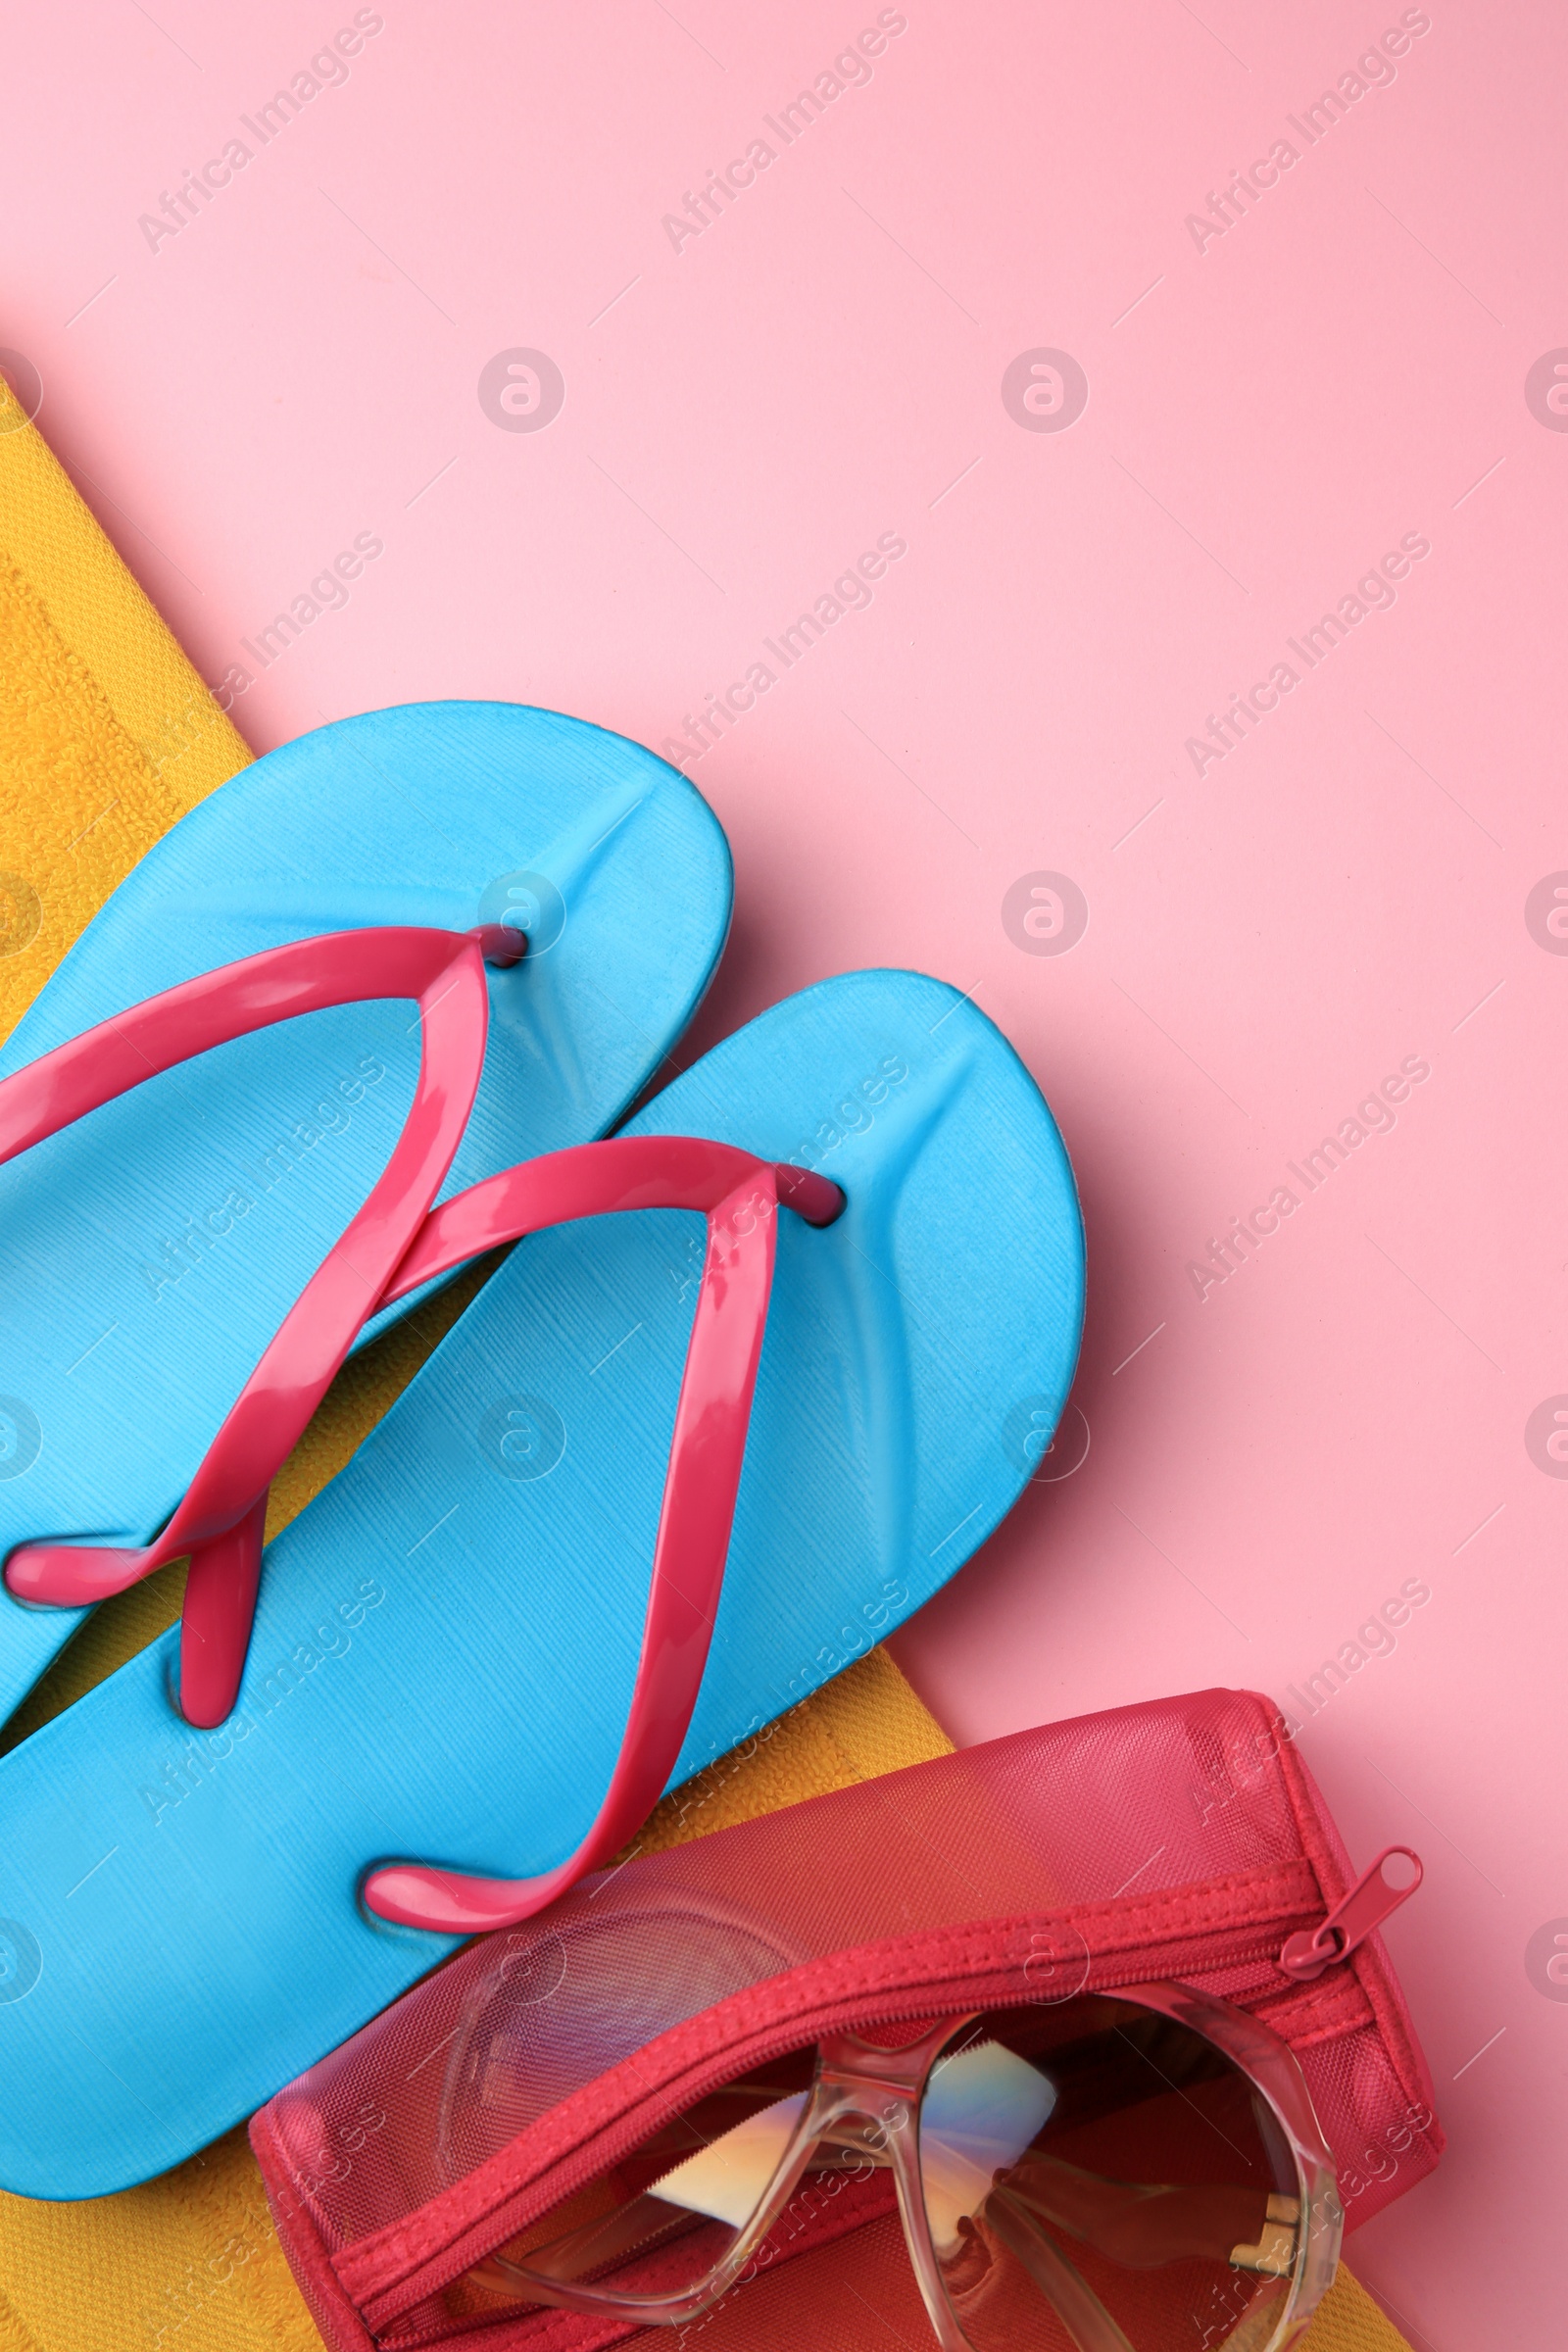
1365,1906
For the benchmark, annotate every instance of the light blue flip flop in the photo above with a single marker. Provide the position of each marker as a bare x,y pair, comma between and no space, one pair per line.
149,1252
448,1637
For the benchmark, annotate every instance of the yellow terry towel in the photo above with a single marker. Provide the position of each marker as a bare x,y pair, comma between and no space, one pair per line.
106,736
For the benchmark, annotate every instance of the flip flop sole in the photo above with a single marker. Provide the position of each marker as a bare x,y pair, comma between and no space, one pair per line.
446,1637
148,1253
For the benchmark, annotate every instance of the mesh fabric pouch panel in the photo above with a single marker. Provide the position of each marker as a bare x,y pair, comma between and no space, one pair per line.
1182,1838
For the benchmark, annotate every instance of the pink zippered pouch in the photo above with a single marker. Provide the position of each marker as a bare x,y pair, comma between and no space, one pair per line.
1183,1838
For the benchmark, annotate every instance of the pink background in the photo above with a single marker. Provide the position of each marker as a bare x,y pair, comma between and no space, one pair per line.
1266,940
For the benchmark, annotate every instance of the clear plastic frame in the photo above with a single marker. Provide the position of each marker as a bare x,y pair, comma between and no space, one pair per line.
1137,2171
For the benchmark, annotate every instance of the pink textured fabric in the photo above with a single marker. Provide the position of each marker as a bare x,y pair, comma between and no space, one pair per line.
1178,1839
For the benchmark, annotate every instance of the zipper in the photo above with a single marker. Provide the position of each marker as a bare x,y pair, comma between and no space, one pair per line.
1364,1907
1306,1956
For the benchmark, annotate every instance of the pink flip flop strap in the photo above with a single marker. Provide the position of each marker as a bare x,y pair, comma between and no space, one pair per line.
220,1520
741,1196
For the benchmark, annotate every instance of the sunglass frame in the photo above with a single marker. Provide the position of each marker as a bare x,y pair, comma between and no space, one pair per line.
856,2081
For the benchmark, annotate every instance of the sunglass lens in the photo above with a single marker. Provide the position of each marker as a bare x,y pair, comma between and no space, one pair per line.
1099,2178
668,2219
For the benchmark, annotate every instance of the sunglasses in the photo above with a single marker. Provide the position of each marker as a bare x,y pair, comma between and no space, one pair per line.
1132,2173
